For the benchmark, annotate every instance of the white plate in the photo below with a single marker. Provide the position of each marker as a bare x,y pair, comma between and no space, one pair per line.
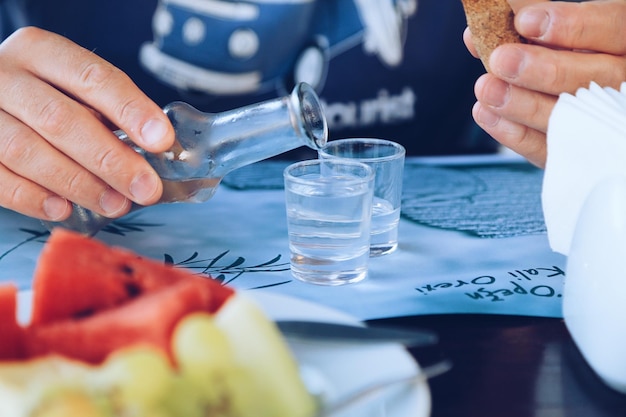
346,367
338,368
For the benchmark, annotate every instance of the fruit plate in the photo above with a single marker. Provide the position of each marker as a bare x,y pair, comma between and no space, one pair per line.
332,370
338,369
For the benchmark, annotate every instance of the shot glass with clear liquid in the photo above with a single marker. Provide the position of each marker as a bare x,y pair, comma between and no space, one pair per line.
329,206
386,158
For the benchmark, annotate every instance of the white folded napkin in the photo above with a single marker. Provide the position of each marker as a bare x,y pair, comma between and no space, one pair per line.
586,143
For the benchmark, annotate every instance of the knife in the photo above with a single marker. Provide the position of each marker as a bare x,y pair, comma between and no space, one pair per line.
336,332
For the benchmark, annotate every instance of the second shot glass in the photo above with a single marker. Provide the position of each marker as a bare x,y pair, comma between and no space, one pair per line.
387,160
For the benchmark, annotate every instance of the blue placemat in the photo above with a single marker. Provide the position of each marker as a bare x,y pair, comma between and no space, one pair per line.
485,200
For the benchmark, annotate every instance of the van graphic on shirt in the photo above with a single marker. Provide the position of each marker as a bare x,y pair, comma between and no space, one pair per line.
221,47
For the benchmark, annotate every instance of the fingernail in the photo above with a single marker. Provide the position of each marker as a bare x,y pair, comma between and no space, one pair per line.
112,202
55,207
507,61
498,93
533,23
153,132
143,187
485,117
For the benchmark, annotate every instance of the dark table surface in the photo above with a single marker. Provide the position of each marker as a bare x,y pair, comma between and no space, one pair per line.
510,366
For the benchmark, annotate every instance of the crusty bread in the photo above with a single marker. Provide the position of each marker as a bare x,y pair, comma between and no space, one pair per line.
491,24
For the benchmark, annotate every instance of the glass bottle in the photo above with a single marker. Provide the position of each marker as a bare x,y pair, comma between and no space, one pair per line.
210,145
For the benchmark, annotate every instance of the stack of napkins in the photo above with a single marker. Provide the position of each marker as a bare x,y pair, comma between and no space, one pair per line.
584,203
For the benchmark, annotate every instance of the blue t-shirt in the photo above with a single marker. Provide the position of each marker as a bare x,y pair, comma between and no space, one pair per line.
396,69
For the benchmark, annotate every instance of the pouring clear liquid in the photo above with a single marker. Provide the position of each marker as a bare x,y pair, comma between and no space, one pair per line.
210,145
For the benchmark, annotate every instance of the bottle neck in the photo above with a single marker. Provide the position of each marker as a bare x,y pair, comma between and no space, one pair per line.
250,134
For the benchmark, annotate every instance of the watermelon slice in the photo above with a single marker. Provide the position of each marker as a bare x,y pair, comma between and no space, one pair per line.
90,299
11,333
78,276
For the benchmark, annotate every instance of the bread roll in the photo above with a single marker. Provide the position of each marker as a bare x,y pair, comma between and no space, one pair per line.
491,24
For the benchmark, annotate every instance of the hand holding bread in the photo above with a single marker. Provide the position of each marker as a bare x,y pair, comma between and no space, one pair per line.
564,46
